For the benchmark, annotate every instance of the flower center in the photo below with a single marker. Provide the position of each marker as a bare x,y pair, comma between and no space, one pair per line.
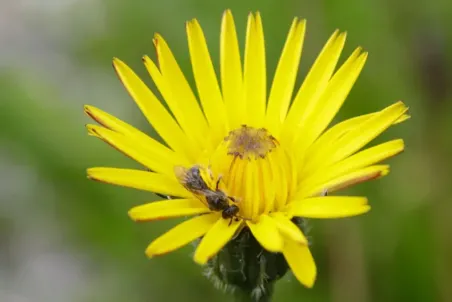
255,170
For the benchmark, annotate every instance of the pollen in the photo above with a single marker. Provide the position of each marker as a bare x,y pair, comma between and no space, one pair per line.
249,142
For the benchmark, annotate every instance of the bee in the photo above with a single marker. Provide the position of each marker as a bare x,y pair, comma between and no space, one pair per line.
216,199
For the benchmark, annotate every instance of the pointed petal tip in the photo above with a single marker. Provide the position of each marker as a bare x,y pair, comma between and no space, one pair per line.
91,132
92,128
91,175
310,283
89,171
192,25
366,208
403,118
401,103
363,56
145,58
358,51
157,39
132,215
89,111
302,22
136,215
151,251
398,106
148,254
189,23
382,173
227,13
200,259
116,62
342,36
93,113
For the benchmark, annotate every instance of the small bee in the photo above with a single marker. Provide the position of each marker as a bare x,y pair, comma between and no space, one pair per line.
216,199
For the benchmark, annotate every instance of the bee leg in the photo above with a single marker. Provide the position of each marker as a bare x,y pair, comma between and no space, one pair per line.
230,221
232,199
218,182
324,193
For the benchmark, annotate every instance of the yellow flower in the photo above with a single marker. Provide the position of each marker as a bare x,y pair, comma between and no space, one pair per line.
268,156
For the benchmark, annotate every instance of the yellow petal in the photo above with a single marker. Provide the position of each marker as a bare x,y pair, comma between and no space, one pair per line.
91,132
112,123
346,180
154,111
317,151
141,180
115,124
206,81
281,174
176,106
288,228
128,145
351,179
182,234
329,207
250,208
182,102
285,75
268,182
359,160
313,86
255,85
402,119
267,233
357,138
331,100
300,262
158,210
217,237
231,72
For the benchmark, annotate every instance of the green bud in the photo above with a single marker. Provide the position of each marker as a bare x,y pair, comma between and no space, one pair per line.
246,269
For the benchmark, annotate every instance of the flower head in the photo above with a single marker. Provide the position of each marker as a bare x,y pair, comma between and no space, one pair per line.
242,162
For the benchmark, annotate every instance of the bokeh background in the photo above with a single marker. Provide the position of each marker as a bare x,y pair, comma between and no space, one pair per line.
64,238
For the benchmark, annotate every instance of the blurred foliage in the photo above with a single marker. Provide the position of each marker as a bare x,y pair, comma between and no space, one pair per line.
399,251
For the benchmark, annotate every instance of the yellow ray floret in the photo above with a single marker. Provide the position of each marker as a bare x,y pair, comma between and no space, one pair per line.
141,180
285,76
217,236
182,234
255,76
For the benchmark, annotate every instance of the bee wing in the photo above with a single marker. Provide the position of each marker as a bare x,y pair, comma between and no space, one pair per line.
181,174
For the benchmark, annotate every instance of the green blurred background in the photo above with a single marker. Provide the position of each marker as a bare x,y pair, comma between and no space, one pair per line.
64,238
